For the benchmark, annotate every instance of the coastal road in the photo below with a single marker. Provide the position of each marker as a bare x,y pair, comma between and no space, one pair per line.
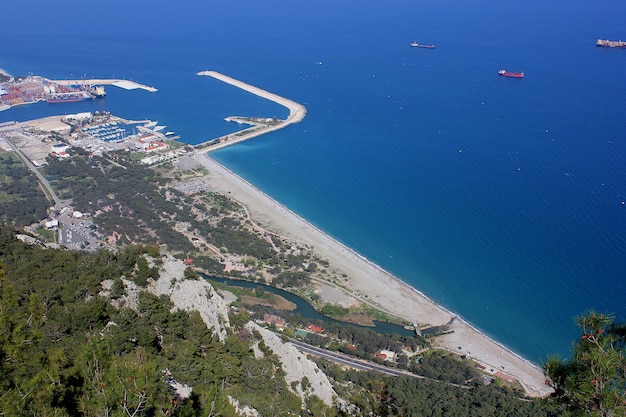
346,360
361,365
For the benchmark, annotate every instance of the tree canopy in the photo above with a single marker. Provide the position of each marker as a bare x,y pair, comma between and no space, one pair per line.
66,351
593,381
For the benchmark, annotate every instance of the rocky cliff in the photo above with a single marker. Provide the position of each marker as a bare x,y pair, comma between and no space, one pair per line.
191,295
297,367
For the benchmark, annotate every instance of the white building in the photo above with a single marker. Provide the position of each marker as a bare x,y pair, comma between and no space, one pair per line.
52,223
86,116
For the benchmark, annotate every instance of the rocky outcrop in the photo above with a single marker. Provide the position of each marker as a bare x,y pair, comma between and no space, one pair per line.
191,295
244,411
296,367
130,298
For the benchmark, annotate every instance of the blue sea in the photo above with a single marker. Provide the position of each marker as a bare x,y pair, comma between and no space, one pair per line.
502,199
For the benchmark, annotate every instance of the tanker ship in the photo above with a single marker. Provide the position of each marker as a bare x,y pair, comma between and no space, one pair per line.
610,44
419,45
68,97
506,73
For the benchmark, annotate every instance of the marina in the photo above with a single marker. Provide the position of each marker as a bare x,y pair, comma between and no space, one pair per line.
108,132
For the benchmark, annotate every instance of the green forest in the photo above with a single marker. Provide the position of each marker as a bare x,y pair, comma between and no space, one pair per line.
20,202
66,351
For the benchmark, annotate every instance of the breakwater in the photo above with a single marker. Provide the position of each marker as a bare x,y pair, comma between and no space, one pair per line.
296,114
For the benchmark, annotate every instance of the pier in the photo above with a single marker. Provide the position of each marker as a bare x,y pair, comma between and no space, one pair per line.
125,84
35,88
296,114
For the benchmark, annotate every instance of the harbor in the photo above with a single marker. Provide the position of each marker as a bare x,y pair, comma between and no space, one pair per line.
29,89
125,84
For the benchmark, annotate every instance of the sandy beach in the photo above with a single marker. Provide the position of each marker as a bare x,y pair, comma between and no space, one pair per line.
369,283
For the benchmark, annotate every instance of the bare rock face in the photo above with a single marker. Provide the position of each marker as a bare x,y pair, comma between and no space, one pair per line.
297,366
130,299
191,295
244,411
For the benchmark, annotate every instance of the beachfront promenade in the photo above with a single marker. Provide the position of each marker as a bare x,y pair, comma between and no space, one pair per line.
296,112
125,84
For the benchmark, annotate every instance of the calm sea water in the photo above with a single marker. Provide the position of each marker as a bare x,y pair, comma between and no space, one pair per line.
502,199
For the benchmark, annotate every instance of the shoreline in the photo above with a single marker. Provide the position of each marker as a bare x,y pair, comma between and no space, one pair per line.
369,282
372,283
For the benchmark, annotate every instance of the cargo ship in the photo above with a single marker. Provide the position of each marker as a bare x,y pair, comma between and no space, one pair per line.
70,97
610,44
506,73
419,45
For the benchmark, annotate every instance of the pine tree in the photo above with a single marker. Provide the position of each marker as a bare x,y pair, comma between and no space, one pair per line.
593,381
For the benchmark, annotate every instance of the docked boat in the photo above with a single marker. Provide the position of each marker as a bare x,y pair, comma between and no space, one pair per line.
610,44
70,97
419,45
159,128
150,125
98,91
506,73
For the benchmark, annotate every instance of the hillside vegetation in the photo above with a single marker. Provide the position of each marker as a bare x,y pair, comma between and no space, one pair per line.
65,350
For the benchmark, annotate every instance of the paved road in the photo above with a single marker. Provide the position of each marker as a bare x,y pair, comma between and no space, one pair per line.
42,179
44,182
345,360
361,365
